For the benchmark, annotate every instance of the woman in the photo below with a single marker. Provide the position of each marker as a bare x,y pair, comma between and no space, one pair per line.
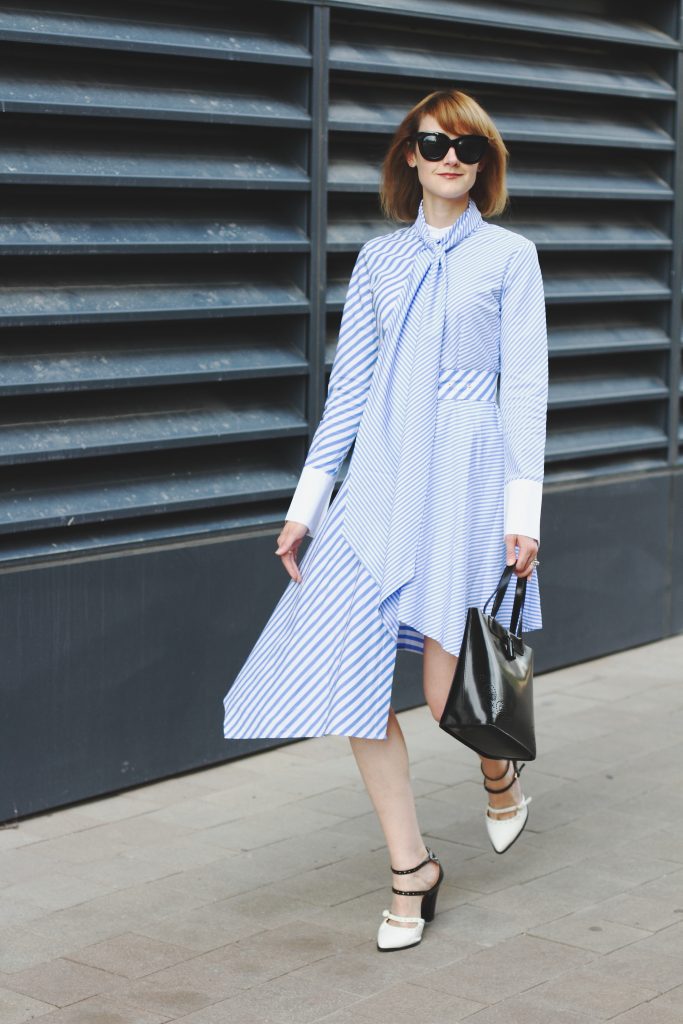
443,487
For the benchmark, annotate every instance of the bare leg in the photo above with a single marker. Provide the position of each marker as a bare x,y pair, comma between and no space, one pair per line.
384,768
438,669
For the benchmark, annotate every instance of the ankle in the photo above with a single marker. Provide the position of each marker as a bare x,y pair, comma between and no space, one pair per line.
408,860
501,781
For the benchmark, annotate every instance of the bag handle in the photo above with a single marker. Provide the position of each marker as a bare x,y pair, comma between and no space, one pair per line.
518,602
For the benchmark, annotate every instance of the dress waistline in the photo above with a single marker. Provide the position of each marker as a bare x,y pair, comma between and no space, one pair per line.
475,385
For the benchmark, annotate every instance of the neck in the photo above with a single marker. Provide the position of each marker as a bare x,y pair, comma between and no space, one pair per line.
440,212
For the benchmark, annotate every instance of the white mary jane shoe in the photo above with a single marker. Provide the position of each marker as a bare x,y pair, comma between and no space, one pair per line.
390,937
504,831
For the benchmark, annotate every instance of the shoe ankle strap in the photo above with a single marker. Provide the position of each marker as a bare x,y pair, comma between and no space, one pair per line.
495,778
510,807
399,917
515,776
409,871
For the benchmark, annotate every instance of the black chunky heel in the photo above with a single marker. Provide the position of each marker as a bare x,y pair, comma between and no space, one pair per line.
428,908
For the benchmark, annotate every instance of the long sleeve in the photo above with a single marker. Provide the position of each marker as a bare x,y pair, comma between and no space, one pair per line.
523,390
350,379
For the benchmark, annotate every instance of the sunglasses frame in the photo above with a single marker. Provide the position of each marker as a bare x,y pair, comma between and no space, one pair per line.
457,142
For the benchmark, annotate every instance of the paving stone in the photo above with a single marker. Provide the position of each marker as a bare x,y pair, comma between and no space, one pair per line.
582,882
476,923
631,909
81,925
529,905
508,968
20,947
225,1011
16,1008
61,982
347,802
18,911
668,940
132,955
283,1000
54,891
523,1009
103,1009
118,807
662,844
589,930
487,873
406,1003
666,887
22,864
285,948
201,930
648,1013
591,990
261,829
640,963
12,837
673,998
57,823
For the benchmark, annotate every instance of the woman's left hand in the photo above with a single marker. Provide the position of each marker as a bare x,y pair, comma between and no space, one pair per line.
528,549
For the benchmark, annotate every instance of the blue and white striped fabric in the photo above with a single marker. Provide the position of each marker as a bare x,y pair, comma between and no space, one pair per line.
324,661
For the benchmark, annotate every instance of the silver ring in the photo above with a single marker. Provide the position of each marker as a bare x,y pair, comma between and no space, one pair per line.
535,562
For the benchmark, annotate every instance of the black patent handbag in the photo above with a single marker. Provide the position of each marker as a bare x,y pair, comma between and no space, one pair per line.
490,705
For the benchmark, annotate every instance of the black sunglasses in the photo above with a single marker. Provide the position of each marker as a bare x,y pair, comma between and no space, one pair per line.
469,149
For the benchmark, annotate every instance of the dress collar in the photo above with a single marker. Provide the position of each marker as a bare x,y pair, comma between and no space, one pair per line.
468,221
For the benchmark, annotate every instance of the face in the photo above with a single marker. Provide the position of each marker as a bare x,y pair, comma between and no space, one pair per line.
447,178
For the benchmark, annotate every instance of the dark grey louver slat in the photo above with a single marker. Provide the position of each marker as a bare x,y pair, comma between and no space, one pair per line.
600,24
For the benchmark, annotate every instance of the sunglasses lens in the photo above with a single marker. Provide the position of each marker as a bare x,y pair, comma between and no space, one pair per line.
471,148
432,146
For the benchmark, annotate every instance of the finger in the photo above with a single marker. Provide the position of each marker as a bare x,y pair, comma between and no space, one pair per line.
526,564
523,561
291,566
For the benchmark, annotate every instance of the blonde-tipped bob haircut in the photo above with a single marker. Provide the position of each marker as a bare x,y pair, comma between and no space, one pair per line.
458,114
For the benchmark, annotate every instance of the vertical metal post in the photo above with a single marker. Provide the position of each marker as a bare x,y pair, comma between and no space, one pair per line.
318,223
676,280
676,277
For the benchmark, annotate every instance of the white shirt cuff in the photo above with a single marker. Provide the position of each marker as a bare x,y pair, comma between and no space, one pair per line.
311,498
523,508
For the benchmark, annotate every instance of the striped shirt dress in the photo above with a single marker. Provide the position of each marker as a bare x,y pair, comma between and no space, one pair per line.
324,661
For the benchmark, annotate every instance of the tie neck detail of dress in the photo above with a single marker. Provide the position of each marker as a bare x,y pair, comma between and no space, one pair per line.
388,472
468,221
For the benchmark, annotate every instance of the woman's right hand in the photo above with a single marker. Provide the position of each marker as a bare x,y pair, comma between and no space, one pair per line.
288,541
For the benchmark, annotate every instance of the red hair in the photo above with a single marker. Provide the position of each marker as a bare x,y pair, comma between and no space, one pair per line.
458,114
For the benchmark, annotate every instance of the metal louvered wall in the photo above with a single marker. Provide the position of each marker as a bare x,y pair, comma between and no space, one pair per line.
185,189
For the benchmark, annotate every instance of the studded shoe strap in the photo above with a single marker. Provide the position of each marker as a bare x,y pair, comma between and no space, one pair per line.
516,775
409,871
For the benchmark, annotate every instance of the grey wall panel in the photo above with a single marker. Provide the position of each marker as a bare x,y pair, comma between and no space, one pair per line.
606,570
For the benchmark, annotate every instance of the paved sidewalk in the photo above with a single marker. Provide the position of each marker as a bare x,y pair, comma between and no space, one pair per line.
252,892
